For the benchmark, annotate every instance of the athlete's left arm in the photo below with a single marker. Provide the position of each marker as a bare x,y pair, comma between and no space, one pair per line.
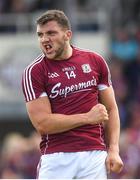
112,130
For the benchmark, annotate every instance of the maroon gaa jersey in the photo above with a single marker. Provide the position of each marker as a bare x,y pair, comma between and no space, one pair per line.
72,86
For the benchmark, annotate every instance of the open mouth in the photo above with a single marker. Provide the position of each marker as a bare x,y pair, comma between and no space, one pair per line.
48,48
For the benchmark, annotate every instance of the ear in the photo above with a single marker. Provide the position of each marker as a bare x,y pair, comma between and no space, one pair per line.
68,35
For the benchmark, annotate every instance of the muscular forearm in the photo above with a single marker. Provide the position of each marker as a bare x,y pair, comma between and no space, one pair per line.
51,123
113,130
113,160
57,123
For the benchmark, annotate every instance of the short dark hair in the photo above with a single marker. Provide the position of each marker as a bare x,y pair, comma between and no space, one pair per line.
54,15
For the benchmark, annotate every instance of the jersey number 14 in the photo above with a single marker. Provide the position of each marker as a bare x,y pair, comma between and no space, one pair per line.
70,74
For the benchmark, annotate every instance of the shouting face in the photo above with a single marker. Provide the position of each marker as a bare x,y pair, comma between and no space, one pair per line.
54,40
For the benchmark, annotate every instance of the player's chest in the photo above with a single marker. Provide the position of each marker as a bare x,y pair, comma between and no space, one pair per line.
71,73
70,78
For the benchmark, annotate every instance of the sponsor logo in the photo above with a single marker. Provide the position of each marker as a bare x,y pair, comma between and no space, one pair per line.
57,90
53,75
71,68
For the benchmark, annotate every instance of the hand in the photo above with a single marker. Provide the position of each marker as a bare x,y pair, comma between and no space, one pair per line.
114,162
97,114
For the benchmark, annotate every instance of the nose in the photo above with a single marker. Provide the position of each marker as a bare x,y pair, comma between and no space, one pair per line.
45,38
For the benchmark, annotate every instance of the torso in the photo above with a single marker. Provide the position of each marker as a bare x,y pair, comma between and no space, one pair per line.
72,87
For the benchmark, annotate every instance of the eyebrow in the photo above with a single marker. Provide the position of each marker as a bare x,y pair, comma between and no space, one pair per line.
48,32
39,33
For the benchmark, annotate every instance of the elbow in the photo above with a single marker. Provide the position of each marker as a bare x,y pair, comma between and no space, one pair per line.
41,130
44,129
42,124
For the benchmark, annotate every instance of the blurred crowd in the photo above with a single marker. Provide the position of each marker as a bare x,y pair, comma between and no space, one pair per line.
125,70
25,6
20,155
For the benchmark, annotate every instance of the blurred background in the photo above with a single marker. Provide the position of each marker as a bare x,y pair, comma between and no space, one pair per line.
109,27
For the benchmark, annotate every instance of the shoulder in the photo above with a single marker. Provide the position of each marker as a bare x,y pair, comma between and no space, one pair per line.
91,54
82,50
36,64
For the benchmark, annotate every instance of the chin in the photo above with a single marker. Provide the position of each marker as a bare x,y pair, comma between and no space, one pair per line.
50,56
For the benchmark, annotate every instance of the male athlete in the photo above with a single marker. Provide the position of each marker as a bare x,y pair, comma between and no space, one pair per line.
71,103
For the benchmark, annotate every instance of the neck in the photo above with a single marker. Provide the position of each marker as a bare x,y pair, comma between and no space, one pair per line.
67,52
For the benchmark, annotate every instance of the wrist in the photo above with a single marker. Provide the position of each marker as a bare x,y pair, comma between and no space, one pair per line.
84,118
113,148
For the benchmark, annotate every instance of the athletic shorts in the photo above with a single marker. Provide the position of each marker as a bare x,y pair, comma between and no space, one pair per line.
77,165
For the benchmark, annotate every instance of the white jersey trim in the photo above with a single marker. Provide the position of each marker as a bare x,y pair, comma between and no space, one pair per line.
102,87
101,139
47,141
27,82
44,94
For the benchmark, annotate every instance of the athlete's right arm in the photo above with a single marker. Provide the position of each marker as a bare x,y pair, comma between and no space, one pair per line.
46,122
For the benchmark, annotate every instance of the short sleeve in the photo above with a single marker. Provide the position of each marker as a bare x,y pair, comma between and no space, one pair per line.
33,82
105,76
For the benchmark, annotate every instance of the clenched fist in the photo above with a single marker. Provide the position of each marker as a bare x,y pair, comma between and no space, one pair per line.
114,162
97,114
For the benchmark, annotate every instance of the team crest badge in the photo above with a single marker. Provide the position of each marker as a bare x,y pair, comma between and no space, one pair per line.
86,68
